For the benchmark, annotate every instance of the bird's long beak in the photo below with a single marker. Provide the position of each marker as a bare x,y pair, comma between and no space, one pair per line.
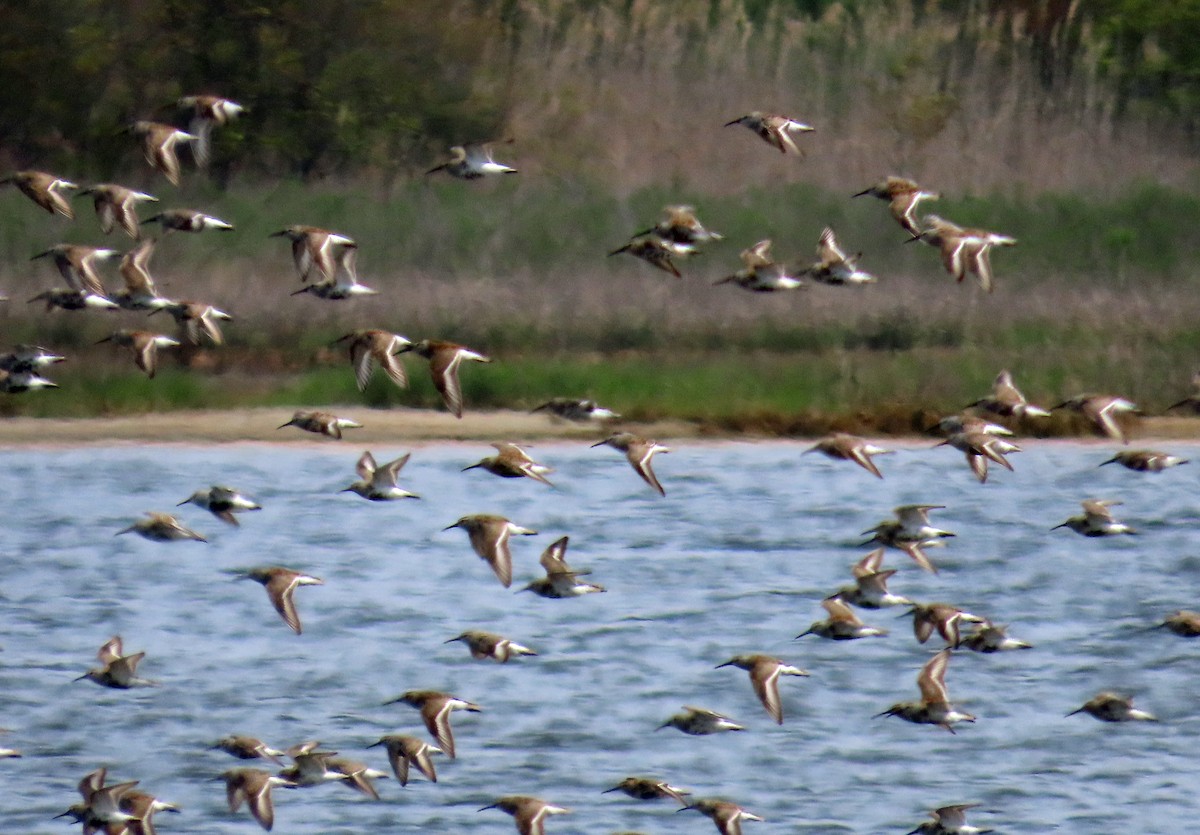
862,193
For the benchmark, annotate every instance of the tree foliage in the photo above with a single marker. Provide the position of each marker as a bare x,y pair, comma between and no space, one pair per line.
331,85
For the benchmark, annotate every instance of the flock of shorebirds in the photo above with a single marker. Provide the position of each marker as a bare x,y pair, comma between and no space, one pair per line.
326,262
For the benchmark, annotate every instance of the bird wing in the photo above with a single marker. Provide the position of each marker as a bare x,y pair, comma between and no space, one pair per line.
932,680
386,475
366,467
639,455
443,365
280,589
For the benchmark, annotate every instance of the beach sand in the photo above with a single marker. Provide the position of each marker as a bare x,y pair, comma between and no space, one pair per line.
380,426
259,425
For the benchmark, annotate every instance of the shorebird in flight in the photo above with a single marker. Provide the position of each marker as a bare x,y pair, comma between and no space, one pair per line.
775,130
117,205
760,273
444,361
903,196
1101,411
472,161
835,267
370,349
207,112
43,189
158,146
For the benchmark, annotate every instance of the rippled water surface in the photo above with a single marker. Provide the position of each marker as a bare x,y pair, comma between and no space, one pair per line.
735,559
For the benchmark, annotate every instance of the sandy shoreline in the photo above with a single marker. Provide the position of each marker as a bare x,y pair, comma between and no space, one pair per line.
258,425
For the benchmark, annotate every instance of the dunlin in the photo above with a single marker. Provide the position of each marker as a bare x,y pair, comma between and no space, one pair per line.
158,146
472,161
697,721
834,266
1006,400
444,360
870,590
195,319
638,451
247,748
561,581
842,624
1113,707
1145,460
222,502
775,130
435,708
344,284
990,637
934,707
140,292
943,617
760,273
842,447
490,645
358,776
17,382
1096,520
511,461
188,220
141,808
253,786
311,767
950,820
576,409
726,815
404,751
102,803
529,813
281,585
1184,623
207,112
145,346
321,423
119,671
964,250
28,359
655,251
371,348
647,788
965,422
1101,411
315,248
764,678
117,205
161,527
74,300
903,196
680,226
489,535
77,265
43,189
981,447
910,532
377,482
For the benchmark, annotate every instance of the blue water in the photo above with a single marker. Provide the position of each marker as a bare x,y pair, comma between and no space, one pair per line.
735,559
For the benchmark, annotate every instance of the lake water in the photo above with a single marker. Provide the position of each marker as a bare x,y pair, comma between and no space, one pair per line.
735,559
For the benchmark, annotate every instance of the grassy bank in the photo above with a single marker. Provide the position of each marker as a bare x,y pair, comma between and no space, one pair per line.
1097,296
